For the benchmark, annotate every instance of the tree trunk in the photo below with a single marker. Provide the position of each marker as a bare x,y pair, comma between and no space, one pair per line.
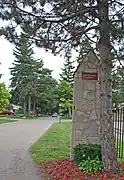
29,103
109,157
34,106
25,107
69,110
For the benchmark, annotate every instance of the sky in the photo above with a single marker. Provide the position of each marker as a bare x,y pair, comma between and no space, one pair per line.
52,62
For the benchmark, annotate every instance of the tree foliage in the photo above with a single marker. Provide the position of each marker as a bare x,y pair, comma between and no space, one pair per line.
60,25
65,94
67,70
31,84
118,89
4,96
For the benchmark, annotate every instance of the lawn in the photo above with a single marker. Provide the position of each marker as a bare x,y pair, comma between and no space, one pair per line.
2,121
54,144
19,116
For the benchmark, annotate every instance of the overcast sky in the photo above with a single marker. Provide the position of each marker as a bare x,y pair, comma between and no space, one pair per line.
52,62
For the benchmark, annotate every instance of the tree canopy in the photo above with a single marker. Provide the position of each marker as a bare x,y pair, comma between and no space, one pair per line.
4,96
67,71
31,84
57,25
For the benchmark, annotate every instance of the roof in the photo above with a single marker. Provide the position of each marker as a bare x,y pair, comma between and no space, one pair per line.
88,55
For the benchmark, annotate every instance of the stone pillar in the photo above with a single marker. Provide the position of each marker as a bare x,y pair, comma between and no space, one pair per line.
86,107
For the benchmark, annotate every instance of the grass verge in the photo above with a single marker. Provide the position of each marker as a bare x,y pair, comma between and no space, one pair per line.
54,144
2,121
19,116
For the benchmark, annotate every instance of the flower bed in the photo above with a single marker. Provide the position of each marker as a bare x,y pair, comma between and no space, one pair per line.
65,169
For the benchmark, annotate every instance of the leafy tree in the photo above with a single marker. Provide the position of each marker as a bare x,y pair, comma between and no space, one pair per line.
67,24
46,87
116,97
4,96
65,94
68,69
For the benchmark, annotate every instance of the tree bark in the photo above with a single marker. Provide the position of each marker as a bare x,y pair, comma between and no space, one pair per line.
29,103
34,106
69,110
109,156
25,107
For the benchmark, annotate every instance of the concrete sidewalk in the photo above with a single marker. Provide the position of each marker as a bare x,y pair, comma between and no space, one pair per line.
15,140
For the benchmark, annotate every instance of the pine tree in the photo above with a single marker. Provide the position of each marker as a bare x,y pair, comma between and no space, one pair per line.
25,72
68,69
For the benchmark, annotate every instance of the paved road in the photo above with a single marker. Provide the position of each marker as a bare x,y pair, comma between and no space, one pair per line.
15,139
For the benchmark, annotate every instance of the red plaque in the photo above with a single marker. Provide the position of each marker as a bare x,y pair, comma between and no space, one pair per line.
89,76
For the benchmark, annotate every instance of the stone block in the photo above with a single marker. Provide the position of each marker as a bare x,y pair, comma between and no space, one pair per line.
78,85
77,125
90,129
85,94
90,70
89,85
97,103
97,94
91,96
97,85
92,65
90,106
98,113
85,102
93,115
78,135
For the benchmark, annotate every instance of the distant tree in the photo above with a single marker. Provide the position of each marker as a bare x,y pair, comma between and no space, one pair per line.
116,97
65,93
83,50
24,73
4,96
68,69
118,89
47,99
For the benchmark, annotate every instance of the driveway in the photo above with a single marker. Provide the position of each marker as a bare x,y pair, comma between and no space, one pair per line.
15,140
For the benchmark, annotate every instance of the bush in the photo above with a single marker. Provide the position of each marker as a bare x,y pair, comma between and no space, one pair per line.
87,151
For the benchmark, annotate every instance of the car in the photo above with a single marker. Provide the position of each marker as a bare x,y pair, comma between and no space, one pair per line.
55,115
6,112
31,113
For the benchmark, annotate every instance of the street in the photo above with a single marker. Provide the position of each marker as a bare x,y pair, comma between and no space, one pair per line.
15,140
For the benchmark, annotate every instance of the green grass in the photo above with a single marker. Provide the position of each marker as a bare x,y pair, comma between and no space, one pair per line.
66,117
120,148
2,121
55,143
19,116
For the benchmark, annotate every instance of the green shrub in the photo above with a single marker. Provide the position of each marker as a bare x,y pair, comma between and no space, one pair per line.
90,165
87,151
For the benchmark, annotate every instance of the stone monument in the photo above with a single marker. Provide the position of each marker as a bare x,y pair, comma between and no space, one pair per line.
86,105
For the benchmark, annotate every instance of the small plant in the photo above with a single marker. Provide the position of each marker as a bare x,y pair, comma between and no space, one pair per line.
85,151
90,165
